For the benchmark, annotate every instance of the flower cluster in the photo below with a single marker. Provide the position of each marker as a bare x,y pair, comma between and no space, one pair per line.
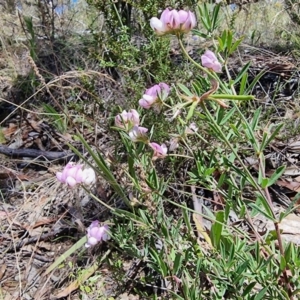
173,22
138,133
75,174
130,121
155,96
127,120
96,234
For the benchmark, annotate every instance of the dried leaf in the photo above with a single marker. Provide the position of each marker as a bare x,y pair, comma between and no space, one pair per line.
293,185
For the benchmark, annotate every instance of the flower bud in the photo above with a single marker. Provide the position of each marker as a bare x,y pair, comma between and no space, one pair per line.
210,61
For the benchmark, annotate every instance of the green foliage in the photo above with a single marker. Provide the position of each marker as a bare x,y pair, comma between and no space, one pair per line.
127,43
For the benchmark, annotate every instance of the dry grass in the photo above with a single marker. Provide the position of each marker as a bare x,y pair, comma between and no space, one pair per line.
262,23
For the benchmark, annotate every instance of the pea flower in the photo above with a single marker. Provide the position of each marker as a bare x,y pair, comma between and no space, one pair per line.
154,96
173,22
138,134
127,120
96,234
210,61
74,174
160,151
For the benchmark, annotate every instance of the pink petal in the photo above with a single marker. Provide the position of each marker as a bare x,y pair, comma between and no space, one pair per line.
158,26
91,242
59,177
71,181
183,16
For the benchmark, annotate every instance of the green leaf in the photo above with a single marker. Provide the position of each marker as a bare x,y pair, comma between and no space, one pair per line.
236,44
264,182
229,41
261,294
101,164
254,81
255,119
215,15
290,208
263,207
64,256
243,84
159,261
223,118
58,120
282,264
248,289
217,229
242,72
235,130
288,251
199,33
272,137
185,90
276,175
177,263
191,110
221,45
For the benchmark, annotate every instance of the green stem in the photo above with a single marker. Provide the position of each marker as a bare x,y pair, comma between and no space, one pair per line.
231,97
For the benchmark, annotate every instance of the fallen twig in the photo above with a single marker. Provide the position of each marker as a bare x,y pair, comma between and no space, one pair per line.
26,152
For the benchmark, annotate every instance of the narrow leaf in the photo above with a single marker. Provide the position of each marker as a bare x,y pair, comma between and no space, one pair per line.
276,175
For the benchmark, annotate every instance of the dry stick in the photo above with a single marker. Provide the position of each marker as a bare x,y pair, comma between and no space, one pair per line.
26,152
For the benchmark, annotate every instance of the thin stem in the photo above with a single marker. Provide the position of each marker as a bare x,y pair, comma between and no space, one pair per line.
97,199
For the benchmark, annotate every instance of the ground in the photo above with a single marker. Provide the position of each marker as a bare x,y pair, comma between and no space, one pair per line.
41,218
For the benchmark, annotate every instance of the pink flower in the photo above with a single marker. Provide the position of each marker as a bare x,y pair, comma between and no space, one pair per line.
154,96
159,150
96,234
138,134
127,120
210,61
173,22
73,174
